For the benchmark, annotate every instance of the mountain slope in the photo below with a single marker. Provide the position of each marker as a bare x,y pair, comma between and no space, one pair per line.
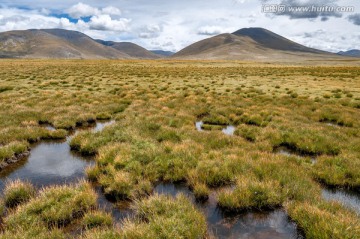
131,49
272,40
163,53
54,43
352,53
250,44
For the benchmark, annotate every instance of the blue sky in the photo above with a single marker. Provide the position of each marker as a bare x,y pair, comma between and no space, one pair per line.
172,25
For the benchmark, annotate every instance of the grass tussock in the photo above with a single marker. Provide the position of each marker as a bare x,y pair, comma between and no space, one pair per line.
251,193
165,217
325,220
13,149
97,219
45,215
17,192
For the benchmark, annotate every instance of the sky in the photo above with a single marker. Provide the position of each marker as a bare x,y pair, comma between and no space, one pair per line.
174,24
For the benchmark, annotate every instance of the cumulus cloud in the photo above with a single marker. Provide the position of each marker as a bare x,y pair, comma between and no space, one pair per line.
150,31
106,23
110,10
355,18
80,10
159,24
209,30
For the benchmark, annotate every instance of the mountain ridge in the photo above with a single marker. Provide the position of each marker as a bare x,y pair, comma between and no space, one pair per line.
256,44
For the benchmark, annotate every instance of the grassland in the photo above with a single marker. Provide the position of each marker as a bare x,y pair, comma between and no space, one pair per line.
311,111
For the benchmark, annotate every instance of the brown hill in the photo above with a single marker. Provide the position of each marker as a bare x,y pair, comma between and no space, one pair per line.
250,44
131,49
54,43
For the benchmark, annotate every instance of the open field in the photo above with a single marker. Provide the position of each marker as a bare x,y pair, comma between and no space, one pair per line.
310,113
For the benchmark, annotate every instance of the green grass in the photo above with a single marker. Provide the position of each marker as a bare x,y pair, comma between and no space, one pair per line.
155,105
97,219
17,192
45,215
13,149
165,217
325,220
250,193
247,132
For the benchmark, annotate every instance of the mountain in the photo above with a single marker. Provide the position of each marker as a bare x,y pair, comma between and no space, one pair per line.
352,53
250,44
54,43
131,49
268,39
163,53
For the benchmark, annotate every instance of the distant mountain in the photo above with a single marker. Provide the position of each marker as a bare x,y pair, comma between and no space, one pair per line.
163,53
270,40
131,49
255,44
352,53
54,43
250,44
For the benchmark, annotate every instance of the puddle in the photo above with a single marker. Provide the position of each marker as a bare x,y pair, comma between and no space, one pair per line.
53,163
49,127
101,125
119,211
332,125
274,224
199,125
347,198
289,153
228,130
50,162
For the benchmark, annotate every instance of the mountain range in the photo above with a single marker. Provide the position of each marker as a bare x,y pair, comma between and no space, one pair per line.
245,44
352,53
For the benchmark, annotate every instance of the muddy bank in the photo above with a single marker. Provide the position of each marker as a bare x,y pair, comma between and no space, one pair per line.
14,159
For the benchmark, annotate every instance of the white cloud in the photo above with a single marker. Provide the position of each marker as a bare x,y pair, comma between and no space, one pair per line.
112,11
82,10
159,24
150,31
106,23
209,30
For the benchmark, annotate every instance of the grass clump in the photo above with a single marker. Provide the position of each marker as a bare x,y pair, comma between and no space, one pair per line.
307,142
97,219
201,191
338,171
17,192
247,132
165,217
13,149
209,127
251,193
260,120
101,234
46,215
57,134
213,173
216,120
329,116
315,220
168,135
